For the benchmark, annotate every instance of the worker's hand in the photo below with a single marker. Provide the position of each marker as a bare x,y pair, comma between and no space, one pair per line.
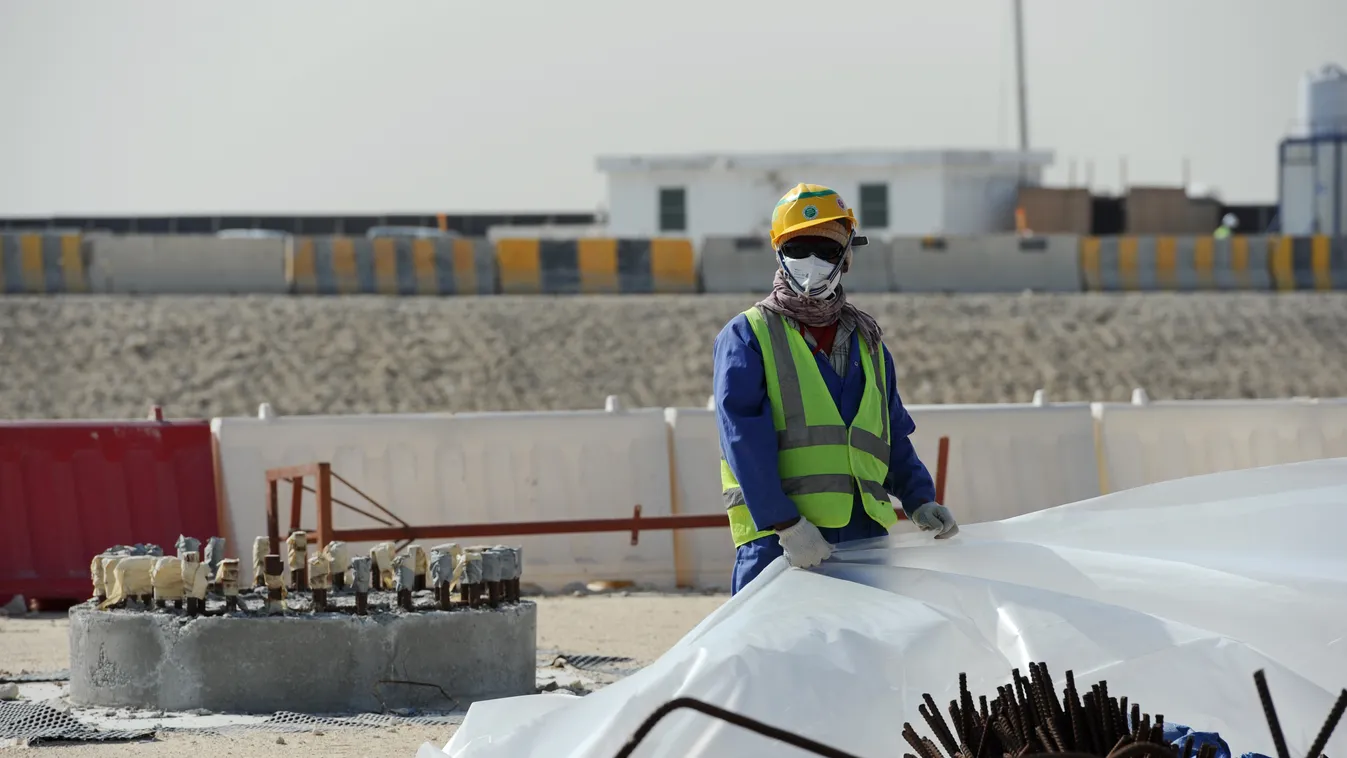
934,516
804,544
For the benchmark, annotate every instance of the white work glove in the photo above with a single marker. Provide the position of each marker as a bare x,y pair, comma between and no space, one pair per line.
804,544
934,516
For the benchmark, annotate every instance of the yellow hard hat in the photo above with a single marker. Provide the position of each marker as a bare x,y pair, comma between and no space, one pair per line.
808,205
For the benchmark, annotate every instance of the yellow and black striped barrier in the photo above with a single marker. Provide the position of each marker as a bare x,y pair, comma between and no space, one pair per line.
389,266
1309,263
1147,264
36,263
596,265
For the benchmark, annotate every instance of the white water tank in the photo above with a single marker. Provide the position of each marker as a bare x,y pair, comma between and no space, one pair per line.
1323,101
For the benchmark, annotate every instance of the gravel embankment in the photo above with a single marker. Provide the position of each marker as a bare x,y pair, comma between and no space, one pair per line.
109,357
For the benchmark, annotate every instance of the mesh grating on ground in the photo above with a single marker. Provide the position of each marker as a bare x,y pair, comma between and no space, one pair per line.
36,723
286,721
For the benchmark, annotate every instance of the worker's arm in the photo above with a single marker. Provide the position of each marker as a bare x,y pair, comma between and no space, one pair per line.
908,479
744,416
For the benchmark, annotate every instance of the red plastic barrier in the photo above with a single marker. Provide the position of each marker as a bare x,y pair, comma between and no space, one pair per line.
70,489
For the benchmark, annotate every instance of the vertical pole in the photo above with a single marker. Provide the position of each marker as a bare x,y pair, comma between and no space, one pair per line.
1021,98
273,525
324,497
941,469
296,502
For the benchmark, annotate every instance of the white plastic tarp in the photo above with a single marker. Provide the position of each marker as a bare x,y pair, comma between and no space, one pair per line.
1175,593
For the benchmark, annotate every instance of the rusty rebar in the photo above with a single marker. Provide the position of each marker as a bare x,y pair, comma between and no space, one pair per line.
1270,713
274,570
1027,718
361,571
937,724
1330,724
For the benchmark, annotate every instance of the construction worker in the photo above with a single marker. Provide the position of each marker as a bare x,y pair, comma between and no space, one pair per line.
813,434
1228,224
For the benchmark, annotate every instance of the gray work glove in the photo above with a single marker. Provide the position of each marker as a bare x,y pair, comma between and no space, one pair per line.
803,544
934,516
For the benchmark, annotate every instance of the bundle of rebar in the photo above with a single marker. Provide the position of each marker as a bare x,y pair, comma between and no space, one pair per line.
1027,718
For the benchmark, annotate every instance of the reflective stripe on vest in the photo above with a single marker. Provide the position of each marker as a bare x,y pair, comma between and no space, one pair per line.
823,465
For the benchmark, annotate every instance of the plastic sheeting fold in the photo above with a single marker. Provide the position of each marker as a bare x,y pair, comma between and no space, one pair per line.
1175,593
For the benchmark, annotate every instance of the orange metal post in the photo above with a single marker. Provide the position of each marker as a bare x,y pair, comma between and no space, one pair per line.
273,527
324,497
296,502
941,466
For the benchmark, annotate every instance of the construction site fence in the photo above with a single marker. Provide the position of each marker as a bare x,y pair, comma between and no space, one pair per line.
70,489
38,263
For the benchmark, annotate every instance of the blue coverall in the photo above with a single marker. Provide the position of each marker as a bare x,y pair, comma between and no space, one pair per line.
748,441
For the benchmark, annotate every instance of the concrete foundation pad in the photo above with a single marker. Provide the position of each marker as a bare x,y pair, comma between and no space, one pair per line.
306,663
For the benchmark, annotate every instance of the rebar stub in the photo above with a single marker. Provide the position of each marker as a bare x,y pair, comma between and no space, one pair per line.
320,572
441,567
472,573
215,552
491,565
187,544
360,574
339,555
167,578
227,576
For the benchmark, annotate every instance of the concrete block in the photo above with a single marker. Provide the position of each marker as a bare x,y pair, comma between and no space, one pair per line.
306,663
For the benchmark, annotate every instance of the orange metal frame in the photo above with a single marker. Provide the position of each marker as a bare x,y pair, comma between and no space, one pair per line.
326,532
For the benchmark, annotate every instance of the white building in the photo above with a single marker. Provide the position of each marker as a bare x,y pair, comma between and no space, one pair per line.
1313,184
898,193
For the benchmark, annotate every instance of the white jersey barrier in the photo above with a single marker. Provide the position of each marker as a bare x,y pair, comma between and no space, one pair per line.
704,558
1010,459
1004,461
1144,443
436,469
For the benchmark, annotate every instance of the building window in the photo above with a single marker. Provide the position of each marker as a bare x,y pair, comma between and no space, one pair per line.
874,206
673,209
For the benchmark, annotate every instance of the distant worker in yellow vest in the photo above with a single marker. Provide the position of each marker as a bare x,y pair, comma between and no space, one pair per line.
1227,227
813,434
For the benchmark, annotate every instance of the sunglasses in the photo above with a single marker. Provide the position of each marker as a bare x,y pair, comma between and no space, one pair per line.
817,247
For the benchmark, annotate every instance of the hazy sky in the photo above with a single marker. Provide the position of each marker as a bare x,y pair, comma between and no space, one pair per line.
123,106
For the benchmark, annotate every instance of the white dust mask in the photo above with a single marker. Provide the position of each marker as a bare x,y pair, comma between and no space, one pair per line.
812,277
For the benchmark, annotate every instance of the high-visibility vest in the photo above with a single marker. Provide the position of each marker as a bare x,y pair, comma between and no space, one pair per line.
1222,232
822,461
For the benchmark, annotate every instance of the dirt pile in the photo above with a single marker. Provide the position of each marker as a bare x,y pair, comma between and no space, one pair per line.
110,357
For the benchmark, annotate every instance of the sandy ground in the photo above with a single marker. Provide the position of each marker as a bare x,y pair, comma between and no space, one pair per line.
110,357
639,626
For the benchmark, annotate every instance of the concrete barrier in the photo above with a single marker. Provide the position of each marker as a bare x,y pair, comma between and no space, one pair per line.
747,265
1309,263
390,266
736,265
36,263
1005,460
1144,443
1001,263
703,558
596,266
178,264
1144,264
474,469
